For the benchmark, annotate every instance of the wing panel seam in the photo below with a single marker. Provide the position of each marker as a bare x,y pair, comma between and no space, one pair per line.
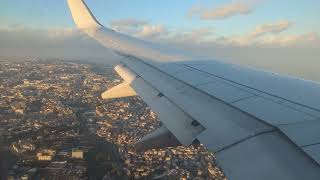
245,139
306,106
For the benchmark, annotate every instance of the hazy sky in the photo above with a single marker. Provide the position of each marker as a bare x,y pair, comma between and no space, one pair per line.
283,36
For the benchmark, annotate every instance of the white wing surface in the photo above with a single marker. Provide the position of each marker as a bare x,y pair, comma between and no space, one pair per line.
259,125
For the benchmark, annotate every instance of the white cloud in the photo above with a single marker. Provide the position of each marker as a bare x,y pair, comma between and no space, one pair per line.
130,22
222,12
200,34
307,39
261,34
150,31
194,36
281,52
277,40
296,55
53,34
139,28
267,34
271,28
64,33
58,43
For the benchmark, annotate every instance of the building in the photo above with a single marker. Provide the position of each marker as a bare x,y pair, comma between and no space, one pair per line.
77,154
46,155
21,147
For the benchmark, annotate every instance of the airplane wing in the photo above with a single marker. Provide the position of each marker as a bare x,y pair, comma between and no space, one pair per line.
259,125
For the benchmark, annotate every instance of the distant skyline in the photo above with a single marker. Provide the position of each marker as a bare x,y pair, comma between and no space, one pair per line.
283,36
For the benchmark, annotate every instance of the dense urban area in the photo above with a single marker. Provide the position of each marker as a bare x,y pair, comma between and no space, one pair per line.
54,125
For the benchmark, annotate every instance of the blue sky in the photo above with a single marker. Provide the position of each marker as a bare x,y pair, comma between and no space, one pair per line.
279,35
172,14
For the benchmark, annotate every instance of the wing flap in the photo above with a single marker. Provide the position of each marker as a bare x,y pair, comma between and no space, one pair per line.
239,141
299,123
227,124
119,91
160,138
178,122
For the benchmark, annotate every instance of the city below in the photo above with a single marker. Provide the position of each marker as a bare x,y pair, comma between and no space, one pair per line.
54,125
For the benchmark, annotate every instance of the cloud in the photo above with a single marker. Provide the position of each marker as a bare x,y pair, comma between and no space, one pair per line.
22,35
130,22
296,54
149,31
267,34
200,34
271,28
221,12
154,32
197,35
66,43
261,35
139,28
64,33
308,39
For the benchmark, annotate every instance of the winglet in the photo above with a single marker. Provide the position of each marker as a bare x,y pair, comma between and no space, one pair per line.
124,44
82,15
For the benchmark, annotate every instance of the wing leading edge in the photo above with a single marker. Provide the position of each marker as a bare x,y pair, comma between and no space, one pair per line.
205,107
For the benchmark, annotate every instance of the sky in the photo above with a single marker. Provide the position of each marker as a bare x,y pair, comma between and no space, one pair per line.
281,36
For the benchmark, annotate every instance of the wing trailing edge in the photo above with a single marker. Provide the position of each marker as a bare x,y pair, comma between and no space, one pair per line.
174,119
159,138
